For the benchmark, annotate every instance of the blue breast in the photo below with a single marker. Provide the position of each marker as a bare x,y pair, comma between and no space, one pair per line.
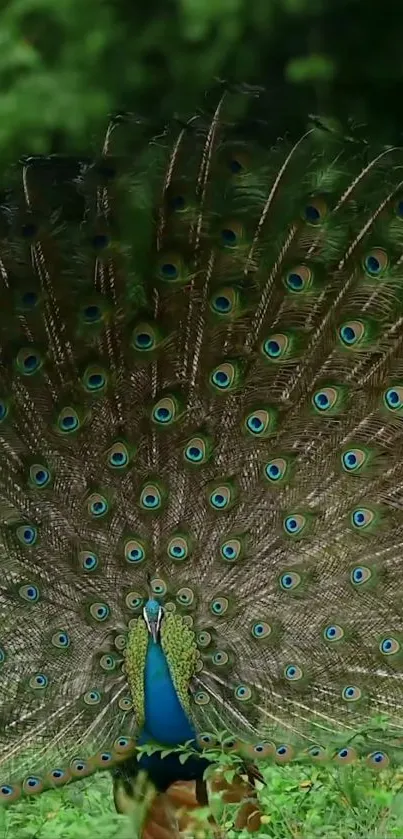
165,719
166,723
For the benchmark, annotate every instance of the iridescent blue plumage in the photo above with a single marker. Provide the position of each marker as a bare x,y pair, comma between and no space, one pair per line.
165,719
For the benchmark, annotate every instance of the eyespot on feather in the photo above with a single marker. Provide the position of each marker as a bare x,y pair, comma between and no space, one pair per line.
393,399
261,630
360,575
284,753
68,421
61,640
315,211
231,234
232,548
221,496
179,547
165,411
276,346
317,754
134,551
28,361
134,601
375,262
171,269
345,755
290,581
225,303
261,422
146,338
378,760
243,693
295,524
40,476
32,785
57,777
354,459
207,740
353,334
332,633
152,497
277,471
329,400
364,519
118,456
219,606
299,279
185,596
197,450
81,768
293,673
389,646
351,693
9,793
97,505
94,380
226,377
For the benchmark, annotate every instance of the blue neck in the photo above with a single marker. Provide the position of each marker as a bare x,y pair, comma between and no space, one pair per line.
165,719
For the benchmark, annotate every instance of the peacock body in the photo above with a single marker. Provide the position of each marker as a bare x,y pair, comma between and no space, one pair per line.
201,402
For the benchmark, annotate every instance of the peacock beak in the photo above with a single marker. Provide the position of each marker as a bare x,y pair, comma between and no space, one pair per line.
153,626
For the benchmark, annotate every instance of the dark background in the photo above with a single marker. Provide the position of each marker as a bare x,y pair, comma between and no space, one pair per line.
65,64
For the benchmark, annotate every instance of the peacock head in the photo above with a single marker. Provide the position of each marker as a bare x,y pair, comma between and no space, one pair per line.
153,614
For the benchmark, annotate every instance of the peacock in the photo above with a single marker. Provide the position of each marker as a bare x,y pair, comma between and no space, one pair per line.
201,474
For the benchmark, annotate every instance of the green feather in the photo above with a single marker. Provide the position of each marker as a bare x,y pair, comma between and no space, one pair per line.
178,643
135,656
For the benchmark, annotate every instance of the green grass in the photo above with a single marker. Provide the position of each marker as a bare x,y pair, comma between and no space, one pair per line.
298,802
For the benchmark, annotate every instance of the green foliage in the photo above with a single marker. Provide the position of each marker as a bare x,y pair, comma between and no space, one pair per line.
298,802
65,65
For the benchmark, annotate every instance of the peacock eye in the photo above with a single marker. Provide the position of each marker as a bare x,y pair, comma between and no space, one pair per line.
158,587
134,551
61,640
39,681
333,632
40,476
99,611
27,534
293,673
30,593
88,561
224,377
290,580
68,420
185,596
94,380
91,313
219,606
299,279
378,760
243,693
178,548
97,505
294,524
29,361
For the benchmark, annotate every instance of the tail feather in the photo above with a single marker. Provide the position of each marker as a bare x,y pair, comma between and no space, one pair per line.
201,383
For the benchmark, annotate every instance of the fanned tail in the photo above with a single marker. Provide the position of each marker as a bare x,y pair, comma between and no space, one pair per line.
201,381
